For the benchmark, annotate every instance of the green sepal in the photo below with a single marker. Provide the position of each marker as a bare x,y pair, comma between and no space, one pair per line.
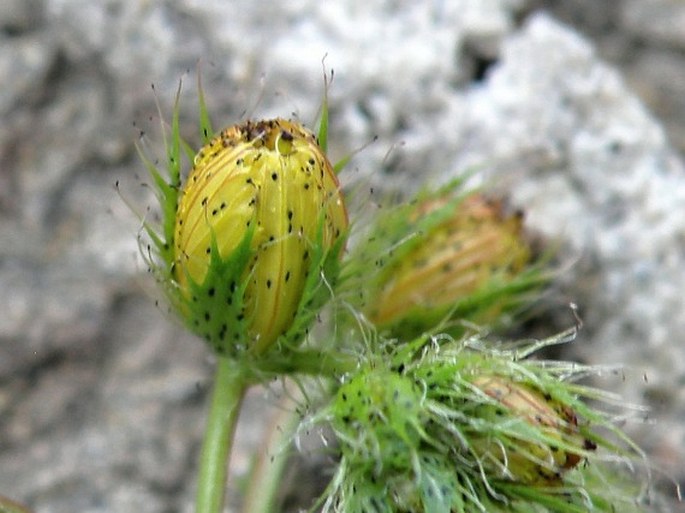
206,131
324,270
166,188
322,134
214,309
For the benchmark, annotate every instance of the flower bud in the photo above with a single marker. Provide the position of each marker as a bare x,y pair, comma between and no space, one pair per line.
465,258
260,219
534,439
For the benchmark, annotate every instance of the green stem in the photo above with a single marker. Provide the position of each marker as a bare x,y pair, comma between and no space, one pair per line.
312,363
230,383
267,473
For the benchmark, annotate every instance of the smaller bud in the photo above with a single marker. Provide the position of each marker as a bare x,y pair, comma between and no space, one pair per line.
534,438
463,258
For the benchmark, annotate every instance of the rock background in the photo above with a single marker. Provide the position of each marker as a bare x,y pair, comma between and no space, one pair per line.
575,108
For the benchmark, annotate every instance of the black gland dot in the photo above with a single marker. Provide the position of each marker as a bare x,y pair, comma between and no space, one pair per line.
211,292
287,276
268,284
207,316
274,176
208,250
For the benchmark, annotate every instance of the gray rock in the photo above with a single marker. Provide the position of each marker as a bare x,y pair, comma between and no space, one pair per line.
19,16
657,21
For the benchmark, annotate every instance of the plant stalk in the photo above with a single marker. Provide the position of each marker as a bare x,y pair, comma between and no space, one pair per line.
230,384
267,473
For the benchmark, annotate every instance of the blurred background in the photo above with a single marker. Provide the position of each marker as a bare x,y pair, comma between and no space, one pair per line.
574,109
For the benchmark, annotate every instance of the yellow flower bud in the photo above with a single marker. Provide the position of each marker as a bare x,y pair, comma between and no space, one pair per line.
473,249
260,218
539,438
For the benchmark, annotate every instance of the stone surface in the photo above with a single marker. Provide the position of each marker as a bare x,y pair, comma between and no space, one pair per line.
102,395
658,21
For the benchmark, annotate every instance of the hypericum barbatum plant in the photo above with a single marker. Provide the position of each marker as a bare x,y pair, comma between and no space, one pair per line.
428,420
